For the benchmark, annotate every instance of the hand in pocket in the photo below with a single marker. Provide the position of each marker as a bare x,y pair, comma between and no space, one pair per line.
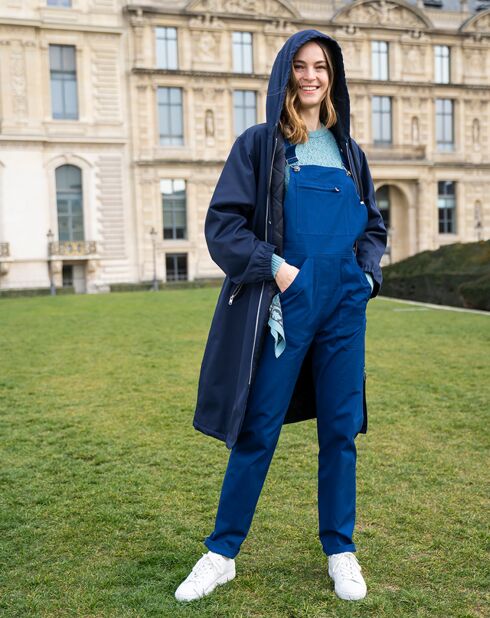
285,276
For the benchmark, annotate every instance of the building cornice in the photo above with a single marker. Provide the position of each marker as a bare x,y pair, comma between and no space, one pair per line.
42,25
265,77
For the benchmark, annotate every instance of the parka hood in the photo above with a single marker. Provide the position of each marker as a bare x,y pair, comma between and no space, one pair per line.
279,78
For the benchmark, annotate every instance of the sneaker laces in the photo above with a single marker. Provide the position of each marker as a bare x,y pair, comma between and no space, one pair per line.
348,566
204,565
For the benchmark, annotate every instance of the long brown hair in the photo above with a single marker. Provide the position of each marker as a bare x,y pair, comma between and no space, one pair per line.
291,123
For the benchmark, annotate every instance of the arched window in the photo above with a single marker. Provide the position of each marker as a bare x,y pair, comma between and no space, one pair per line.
69,202
383,203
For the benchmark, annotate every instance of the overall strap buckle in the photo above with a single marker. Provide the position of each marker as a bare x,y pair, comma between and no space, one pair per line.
291,158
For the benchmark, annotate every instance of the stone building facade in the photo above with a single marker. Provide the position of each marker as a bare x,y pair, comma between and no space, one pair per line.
64,145
164,87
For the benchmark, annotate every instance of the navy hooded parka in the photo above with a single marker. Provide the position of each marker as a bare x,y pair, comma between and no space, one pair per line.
243,228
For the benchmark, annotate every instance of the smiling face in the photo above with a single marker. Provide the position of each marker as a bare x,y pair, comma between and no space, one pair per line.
310,72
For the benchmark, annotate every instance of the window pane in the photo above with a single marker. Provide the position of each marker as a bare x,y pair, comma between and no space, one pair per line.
242,52
63,3
56,98
68,57
175,95
70,95
69,202
166,47
64,101
55,57
174,207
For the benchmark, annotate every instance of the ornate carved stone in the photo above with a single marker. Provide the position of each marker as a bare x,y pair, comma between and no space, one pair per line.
206,22
206,46
381,12
279,27
475,132
72,248
18,80
479,23
265,8
415,130
209,123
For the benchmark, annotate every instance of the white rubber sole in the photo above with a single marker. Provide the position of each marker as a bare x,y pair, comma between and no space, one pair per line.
351,597
219,582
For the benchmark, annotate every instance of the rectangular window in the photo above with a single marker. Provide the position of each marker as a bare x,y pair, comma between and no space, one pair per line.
379,60
66,3
173,208
446,202
170,116
64,98
242,52
442,64
244,110
444,124
176,266
381,118
166,41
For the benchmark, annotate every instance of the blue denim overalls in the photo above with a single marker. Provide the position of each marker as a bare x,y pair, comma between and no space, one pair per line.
324,306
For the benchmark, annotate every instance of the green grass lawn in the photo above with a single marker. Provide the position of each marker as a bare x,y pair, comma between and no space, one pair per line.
107,491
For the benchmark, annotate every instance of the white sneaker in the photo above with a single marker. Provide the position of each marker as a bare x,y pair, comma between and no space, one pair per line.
345,571
210,570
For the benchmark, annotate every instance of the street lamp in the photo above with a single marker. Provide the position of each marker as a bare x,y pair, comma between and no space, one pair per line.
154,234
52,287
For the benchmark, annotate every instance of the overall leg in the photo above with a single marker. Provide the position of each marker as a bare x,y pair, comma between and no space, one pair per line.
250,458
338,369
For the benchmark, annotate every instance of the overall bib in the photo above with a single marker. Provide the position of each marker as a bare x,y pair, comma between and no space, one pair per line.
324,307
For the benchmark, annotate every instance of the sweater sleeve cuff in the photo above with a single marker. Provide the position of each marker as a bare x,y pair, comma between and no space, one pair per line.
276,262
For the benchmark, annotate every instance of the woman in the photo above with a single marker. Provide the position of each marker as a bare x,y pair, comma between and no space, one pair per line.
294,225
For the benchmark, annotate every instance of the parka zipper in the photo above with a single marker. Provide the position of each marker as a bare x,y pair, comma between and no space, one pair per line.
263,282
234,293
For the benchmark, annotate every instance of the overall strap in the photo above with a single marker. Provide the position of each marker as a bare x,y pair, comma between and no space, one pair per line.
290,152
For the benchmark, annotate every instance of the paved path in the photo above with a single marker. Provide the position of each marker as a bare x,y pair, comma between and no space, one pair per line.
425,306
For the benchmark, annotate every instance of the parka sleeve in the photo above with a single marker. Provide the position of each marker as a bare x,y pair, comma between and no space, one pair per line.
231,243
371,245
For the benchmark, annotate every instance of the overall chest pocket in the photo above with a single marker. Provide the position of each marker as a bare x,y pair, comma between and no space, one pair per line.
321,209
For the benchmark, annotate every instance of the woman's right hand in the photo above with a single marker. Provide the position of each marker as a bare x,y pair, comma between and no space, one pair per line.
285,275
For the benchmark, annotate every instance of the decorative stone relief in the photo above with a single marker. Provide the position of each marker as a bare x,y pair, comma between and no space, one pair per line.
279,27
18,80
475,133
207,22
267,8
352,54
381,12
415,130
479,23
273,45
209,113
209,123
206,47
475,62
414,60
